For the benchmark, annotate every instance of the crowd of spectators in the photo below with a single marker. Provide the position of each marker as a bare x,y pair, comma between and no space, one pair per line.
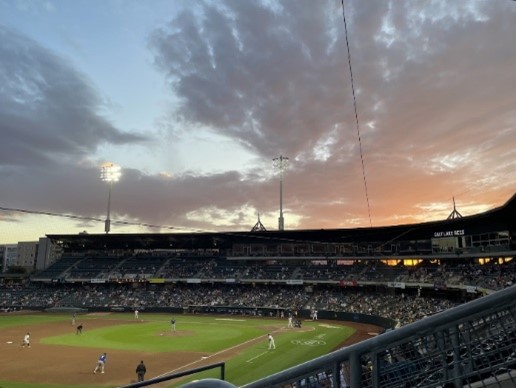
110,281
400,307
492,276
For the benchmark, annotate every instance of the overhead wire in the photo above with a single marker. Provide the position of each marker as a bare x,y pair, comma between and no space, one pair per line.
95,219
356,115
256,236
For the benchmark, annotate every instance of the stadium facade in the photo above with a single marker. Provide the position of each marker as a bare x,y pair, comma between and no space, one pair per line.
487,234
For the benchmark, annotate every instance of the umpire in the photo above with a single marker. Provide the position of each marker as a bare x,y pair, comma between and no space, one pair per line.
140,371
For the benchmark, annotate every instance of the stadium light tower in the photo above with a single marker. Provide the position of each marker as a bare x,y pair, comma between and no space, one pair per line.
280,164
110,173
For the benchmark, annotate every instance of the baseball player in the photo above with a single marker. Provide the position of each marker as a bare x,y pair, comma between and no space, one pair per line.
26,340
101,362
272,345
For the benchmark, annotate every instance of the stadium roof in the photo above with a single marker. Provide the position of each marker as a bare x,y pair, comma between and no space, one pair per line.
502,218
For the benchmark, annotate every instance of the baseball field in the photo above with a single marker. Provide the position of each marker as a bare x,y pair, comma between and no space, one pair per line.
61,357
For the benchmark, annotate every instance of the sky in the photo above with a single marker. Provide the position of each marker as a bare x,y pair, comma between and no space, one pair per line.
194,100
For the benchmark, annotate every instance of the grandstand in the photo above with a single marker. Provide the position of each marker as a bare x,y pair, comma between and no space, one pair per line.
471,254
483,235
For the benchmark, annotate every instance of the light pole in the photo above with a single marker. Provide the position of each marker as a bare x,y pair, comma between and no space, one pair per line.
110,173
280,164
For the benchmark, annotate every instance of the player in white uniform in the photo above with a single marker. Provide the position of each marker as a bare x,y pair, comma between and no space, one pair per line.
272,345
26,340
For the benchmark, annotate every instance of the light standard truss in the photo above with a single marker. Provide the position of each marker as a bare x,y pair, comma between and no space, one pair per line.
280,164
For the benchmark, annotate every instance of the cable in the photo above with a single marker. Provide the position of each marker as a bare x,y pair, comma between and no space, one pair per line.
92,219
257,236
356,116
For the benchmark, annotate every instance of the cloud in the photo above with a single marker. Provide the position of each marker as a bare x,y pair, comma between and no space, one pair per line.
255,73
435,105
435,79
49,112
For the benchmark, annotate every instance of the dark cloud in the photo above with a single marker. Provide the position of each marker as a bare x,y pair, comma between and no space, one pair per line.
49,112
267,77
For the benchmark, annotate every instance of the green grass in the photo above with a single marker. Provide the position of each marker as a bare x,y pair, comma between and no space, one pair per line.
210,334
259,362
206,335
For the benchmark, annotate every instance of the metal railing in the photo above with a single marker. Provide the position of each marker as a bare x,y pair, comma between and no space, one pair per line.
472,345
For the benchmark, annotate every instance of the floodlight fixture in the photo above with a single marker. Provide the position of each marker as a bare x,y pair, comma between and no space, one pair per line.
280,164
110,173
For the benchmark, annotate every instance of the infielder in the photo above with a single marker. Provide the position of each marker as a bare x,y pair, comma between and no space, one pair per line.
272,345
101,363
26,340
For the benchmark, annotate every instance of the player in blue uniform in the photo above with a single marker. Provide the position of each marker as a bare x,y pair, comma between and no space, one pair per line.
101,363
